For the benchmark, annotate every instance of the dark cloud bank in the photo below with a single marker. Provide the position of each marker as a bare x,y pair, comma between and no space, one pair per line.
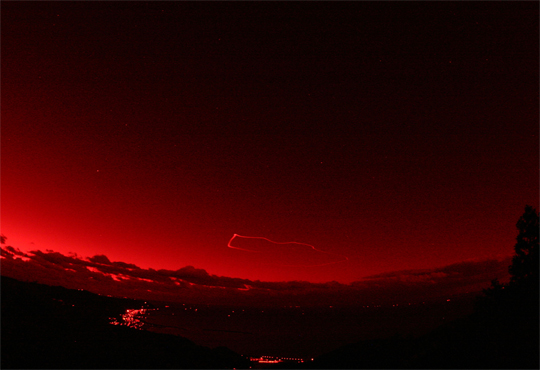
189,284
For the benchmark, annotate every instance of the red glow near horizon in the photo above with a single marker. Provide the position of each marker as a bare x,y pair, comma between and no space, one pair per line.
345,258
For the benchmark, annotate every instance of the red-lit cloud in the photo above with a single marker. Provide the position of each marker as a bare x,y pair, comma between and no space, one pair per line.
189,284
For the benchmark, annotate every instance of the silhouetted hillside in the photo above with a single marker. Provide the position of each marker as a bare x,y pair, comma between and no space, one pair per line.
54,327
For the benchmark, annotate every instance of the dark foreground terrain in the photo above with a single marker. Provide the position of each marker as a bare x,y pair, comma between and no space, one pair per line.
54,327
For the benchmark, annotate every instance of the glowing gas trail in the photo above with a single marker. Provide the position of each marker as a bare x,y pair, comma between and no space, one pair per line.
242,249
345,258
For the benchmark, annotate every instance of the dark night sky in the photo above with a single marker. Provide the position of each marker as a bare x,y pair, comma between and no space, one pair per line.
401,135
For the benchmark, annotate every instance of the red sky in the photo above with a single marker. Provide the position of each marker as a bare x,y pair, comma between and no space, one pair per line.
401,136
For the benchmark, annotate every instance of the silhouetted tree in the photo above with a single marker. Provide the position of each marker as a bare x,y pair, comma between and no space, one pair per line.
3,239
506,317
524,267
525,262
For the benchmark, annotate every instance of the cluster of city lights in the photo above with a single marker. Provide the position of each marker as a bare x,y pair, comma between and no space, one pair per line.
131,318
